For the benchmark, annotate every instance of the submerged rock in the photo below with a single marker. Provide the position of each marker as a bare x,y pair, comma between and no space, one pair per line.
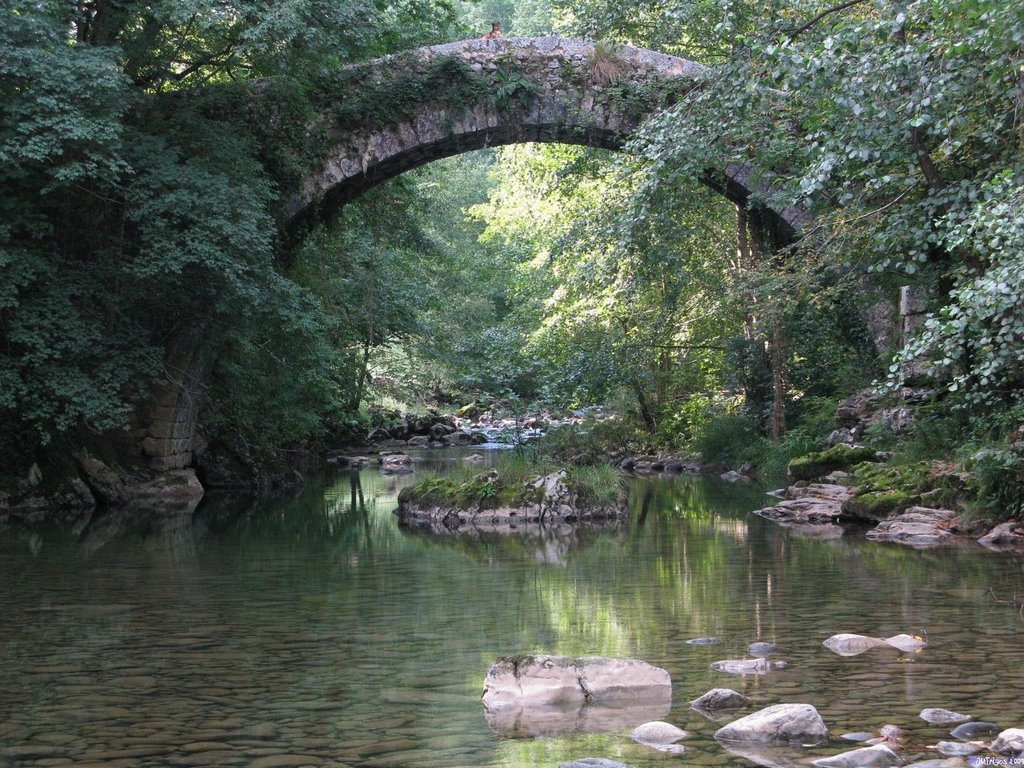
959,748
528,720
766,755
857,736
944,762
977,729
761,648
593,762
522,680
747,666
939,716
878,756
720,698
785,723
703,641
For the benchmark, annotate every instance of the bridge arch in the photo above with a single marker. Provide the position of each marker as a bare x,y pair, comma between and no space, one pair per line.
511,90
390,115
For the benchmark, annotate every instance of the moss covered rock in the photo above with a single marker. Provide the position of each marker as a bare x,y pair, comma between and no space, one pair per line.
494,502
815,465
881,490
878,505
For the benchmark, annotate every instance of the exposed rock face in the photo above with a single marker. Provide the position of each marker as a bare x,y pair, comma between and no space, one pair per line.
780,723
855,409
105,483
918,527
548,502
878,756
519,680
720,698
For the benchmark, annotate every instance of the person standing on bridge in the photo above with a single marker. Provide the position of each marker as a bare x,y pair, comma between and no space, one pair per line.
495,32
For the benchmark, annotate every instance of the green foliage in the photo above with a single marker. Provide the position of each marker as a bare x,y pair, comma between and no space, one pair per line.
592,442
512,482
729,440
512,89
974,342
127,219
997,481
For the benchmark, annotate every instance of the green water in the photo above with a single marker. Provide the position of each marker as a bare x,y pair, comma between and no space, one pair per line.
313,631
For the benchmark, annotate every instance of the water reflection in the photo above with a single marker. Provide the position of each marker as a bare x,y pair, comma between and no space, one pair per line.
314,626
552,720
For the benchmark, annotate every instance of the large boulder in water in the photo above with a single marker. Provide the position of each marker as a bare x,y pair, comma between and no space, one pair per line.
522,680
780,723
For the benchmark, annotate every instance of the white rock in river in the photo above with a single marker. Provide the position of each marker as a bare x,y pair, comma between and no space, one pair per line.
906,643
657,732
846,644
593,762
878,756
939,716
1009,741
519,680
793,723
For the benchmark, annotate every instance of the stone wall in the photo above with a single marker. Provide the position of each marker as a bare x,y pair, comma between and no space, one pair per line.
571,103
168,421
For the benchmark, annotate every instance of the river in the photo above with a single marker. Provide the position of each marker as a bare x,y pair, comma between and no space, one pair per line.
313,631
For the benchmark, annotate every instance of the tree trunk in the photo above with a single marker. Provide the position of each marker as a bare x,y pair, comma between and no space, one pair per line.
778,357
745,265
650,423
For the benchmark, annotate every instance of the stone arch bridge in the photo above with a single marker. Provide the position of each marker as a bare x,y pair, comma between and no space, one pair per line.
382,118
